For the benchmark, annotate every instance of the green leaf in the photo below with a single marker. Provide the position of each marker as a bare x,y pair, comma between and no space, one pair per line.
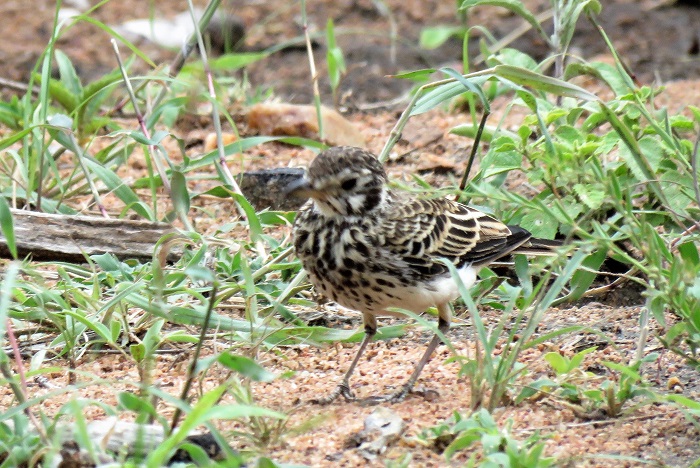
416,75
540,224
6,295
605,72
240,411
591,196
689,253
237,61
435,36
154,140
525,77
470,85
136,404
582,279
58,92
138,352
227,62
100,84
62,121
8,228
514,57
499,161
572,14
334,56
179,194
69,77
623,369
93,324
577,358
115,184
195,416
559,363
107,261
443,93
514,6
246,367
254,225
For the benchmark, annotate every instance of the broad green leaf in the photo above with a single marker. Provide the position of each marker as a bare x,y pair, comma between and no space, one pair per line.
689,253
513,57
605,72
577,358
136,404
498,162
434,36
334,56
591,196
558,362
246,367
540,224
196,416
525,77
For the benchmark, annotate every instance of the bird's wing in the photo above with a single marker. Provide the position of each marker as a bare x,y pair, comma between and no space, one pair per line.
422,231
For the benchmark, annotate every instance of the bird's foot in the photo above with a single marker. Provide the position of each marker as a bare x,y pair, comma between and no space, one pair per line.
343,389
428,395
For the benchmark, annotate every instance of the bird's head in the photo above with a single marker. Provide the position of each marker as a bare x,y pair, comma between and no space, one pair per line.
343,181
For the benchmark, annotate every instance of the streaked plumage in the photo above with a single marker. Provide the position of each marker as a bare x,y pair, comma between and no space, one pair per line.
370,249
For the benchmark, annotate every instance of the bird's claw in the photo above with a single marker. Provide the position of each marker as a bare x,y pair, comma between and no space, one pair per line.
343,389
429,395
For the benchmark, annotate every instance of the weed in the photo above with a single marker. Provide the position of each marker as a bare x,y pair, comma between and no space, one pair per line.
488,444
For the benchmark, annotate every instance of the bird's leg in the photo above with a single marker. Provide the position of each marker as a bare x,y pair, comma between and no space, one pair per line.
344,387
445,316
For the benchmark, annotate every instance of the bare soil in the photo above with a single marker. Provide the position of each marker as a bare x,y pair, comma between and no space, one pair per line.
659,44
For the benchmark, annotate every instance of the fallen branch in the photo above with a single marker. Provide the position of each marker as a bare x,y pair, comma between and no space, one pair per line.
71,238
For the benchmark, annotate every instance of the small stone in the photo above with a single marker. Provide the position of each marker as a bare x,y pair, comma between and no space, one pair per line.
210,140
297,120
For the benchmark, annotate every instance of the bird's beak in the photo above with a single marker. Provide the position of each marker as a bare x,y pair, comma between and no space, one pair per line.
300,188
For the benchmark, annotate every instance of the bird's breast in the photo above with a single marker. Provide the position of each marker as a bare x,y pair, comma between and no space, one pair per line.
350,264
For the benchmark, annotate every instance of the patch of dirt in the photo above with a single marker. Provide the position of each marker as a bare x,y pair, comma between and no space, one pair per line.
658,44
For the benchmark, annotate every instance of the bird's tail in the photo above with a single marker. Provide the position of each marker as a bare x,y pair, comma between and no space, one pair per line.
537,246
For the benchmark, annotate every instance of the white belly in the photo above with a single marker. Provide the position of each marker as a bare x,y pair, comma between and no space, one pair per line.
418,299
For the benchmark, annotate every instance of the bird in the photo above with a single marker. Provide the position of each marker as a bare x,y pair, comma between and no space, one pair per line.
375,250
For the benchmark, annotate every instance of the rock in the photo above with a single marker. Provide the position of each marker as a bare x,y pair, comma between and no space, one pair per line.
382,428
224,33
265,188
298,120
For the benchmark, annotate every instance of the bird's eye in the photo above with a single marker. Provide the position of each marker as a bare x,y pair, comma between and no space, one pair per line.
348,184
